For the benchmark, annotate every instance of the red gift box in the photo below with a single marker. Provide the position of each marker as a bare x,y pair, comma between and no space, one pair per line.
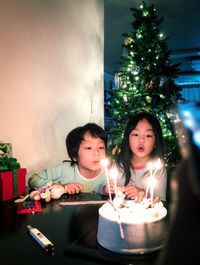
11,187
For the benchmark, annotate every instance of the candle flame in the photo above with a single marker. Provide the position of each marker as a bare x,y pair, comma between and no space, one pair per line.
158,164
153,169
113,173
104,162
150,165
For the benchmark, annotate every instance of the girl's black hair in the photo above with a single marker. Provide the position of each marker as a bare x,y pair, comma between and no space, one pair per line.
76,136
123,159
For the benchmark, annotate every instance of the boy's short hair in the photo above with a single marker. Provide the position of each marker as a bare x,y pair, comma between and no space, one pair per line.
76,136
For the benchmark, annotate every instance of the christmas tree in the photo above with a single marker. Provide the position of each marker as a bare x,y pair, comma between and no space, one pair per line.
146,79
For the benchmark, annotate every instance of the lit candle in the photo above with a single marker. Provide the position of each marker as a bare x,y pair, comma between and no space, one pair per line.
152,182
157,166
113,174
150,167
104,163
152,185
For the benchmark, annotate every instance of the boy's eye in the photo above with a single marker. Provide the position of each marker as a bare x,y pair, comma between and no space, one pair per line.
101,147
134,134
88,147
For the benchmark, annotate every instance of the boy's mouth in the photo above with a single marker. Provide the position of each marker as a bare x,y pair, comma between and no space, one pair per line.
96,162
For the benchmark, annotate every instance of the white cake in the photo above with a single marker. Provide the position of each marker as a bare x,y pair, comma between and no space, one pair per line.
134,228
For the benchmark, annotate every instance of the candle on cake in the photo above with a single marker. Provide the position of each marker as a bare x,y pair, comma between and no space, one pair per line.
134,228
130,227
104,163
150,168
113,175
153,169
157,166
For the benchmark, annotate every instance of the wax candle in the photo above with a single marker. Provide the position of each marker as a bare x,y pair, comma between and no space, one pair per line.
152,186
153,169
104,163
113,174
157,166
150,168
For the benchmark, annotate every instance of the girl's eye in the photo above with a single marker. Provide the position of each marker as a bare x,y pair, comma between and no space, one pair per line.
134,134
101,147
149,135
88,148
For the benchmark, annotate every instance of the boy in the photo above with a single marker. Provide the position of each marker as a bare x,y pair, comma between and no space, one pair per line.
86,147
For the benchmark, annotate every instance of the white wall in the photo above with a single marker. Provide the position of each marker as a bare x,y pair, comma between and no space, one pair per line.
51,70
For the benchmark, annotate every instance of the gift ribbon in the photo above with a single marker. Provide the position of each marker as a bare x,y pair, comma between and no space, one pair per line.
15,183
7,164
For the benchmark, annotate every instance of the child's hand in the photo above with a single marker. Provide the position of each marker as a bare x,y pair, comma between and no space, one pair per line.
133,192
73,188
112,187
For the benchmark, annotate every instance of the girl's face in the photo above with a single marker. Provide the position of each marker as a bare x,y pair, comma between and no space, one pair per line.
142,140
90,153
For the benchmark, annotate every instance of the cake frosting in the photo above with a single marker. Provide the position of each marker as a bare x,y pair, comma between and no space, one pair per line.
131,228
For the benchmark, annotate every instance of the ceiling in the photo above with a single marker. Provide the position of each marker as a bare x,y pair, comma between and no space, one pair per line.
180,24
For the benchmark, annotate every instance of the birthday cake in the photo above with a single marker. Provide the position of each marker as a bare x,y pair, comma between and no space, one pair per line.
132,228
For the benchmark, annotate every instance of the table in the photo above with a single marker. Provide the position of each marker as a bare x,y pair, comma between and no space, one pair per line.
72,229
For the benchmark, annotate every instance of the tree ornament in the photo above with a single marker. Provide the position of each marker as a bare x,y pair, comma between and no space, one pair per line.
121,83
124,85
150,85
135,70
148,99
125,98
128,40
148,67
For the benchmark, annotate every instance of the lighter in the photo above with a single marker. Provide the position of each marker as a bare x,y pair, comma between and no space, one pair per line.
41,239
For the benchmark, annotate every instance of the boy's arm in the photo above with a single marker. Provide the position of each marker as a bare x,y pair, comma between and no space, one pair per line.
54,174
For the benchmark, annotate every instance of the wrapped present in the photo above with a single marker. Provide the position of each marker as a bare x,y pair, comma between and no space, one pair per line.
12,178
5,150
12,183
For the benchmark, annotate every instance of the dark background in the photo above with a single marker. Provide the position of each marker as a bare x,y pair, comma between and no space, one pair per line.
180,24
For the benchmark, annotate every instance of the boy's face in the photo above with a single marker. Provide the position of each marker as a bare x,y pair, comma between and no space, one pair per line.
90,153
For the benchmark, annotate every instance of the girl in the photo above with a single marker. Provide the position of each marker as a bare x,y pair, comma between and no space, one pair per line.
142,143
86,146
